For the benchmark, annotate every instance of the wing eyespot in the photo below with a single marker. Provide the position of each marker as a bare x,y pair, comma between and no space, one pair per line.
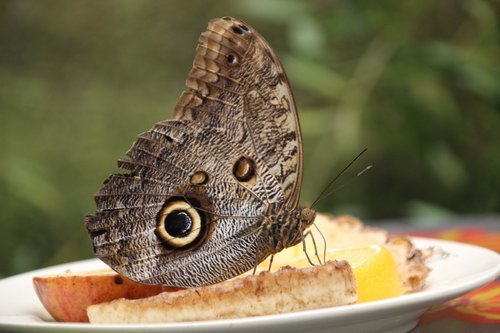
180,226
232,60
237,30
244,169
199,178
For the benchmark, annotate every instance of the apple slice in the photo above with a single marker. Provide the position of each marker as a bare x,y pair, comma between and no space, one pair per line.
67,296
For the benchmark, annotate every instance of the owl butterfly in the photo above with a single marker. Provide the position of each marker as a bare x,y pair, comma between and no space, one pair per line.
213,192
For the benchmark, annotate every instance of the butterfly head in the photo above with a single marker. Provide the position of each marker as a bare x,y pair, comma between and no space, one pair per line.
307,216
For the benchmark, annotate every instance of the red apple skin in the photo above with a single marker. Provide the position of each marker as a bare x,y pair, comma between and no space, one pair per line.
67,296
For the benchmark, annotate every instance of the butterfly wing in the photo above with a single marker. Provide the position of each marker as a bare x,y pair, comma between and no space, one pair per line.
238,83
161,163
231,154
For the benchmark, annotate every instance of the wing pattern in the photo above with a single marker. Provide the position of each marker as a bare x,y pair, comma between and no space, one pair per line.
238,105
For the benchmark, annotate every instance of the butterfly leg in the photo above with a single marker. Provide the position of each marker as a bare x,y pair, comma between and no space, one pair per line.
270,262
324,241
304,248
309,233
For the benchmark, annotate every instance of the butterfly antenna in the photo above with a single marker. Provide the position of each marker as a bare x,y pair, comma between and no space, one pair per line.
326,191
333,190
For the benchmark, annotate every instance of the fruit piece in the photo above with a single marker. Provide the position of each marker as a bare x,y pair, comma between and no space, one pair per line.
347,231
374,268
375,271
288,290
67,296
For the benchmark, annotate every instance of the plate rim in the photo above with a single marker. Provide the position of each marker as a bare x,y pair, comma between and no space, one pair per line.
425,298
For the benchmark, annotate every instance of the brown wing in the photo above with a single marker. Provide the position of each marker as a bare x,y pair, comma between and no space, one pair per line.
237,129
238,83
162,162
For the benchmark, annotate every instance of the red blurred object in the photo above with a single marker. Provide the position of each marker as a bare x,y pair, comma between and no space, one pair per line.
477,311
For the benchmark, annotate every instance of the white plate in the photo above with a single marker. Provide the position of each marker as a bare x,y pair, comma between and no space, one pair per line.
465,268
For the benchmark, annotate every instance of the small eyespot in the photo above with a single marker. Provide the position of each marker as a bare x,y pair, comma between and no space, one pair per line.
199,178
179,224
244,169
237,30
232,59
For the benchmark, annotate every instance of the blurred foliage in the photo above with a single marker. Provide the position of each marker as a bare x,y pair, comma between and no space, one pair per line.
417,82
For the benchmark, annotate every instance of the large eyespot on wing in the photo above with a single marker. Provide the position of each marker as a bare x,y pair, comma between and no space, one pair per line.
180,225
238,83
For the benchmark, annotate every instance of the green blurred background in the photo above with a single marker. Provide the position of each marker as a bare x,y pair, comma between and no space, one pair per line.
417,82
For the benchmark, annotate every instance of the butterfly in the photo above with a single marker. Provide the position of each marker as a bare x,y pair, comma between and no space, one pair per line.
214,191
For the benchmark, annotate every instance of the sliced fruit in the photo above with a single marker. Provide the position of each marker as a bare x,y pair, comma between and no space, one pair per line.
67,296
288,290
374,268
